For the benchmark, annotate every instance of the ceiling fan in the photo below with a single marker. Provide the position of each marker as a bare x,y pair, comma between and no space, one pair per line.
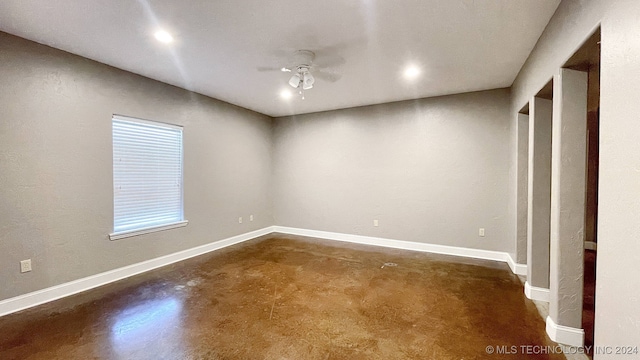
304,71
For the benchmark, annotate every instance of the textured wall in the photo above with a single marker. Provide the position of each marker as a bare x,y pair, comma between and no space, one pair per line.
539,192
56,166
617,288
568,169
522,207
432,170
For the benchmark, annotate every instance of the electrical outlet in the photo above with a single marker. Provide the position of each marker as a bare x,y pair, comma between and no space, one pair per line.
240,220
481,232
250,217
375,222
25,266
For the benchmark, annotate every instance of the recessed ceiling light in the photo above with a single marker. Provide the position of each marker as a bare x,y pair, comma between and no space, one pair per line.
163,36
412,72
286,94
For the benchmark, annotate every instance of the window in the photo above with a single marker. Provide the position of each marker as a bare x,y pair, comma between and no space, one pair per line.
147,177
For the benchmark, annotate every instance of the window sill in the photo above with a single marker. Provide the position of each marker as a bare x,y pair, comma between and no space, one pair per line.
130,233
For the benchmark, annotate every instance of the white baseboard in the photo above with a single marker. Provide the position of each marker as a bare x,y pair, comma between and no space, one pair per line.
399,244
35,298
590,245
536,293
564,334
518,269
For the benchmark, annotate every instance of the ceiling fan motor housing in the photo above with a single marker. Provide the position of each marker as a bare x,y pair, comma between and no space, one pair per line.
303,58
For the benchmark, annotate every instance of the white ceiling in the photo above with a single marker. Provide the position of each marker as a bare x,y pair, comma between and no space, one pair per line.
461,45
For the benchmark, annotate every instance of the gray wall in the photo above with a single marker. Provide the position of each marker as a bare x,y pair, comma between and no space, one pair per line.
56,166
618,286
432,170
522,208
539,192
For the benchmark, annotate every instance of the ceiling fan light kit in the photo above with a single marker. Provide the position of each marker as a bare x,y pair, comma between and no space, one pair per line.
302,78
294,81
307,80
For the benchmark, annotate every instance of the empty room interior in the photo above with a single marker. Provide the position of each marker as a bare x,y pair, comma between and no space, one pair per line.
412,179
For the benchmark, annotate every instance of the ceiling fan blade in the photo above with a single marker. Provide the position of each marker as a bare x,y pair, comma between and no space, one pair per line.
325,61
268,68
272,68
351,43
327,76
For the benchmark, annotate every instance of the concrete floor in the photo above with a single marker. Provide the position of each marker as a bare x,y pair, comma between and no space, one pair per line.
286,297
589,306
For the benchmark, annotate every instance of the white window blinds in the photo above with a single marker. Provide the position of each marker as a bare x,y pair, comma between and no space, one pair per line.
147,174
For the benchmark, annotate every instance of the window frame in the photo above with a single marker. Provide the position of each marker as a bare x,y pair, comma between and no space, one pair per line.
115,235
